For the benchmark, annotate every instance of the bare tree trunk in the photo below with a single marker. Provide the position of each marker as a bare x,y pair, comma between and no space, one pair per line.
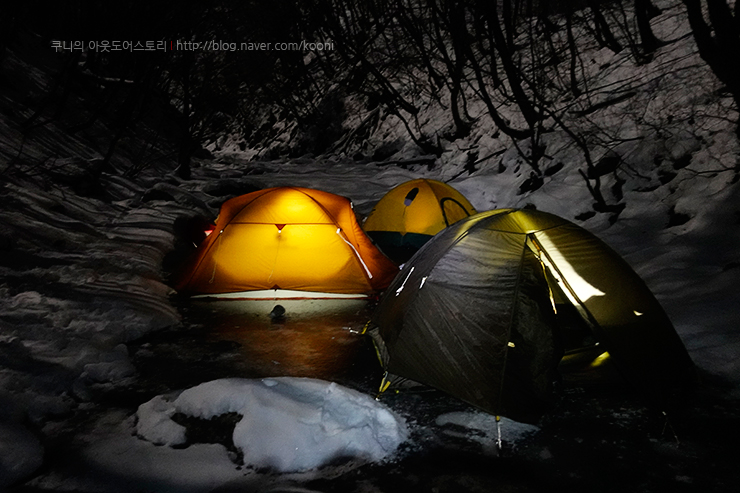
507,61
459,38
720,50
573,53
644,11
602,30
485,44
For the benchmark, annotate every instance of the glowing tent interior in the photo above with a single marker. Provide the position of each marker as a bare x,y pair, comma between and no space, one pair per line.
286,242
476,314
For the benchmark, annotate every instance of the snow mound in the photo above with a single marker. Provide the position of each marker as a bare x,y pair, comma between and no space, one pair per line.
288,424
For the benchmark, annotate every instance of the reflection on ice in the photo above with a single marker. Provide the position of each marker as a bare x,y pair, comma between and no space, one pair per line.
300,338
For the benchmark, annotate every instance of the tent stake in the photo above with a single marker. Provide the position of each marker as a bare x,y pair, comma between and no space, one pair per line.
666,425
384,384
499,442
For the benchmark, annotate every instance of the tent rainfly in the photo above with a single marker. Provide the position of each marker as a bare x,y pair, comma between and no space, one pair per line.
411,213
476,314
288,239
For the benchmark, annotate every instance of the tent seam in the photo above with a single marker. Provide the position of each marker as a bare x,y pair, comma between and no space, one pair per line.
346,240
517,287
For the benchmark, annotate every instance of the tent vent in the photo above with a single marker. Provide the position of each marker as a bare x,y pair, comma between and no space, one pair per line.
410,196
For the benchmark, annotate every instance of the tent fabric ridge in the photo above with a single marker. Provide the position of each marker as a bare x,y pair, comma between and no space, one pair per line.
517,287
357,254
465,234
580,305
200,261
218,244
272,190
526,233
538,254
259,196
478,224
321,206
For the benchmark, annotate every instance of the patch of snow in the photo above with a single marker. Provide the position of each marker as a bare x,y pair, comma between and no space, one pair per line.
154,423
288,424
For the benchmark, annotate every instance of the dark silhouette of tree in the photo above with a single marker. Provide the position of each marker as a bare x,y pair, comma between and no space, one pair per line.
602,30
522,59
718,40
644,11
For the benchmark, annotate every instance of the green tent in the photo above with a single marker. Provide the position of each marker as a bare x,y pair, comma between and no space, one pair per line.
476,313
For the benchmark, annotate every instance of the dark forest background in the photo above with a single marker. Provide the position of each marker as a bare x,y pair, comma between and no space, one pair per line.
521,59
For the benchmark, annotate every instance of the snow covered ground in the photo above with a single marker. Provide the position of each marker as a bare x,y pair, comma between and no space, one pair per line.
81,284
69,316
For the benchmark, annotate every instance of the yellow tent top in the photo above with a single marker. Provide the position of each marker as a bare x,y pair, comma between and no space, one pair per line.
286,238
411,213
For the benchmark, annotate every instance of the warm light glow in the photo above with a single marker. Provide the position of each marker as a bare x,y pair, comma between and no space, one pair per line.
288,238
599,360
580,286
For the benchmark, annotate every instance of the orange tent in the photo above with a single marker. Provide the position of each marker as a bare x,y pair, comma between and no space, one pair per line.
287,238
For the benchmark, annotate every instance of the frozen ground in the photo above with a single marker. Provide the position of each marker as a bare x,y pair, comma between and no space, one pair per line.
94,349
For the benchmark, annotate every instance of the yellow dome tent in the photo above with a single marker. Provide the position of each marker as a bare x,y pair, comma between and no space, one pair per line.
291,242
477,313
411,213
